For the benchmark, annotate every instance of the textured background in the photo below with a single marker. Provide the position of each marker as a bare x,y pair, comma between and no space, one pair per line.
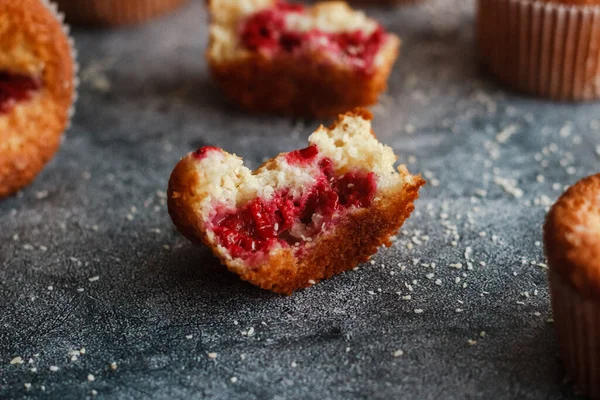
494,161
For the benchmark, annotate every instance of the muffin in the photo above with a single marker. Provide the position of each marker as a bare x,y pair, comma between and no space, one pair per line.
37,89
283,58
572,245
115,12
301,217
546,48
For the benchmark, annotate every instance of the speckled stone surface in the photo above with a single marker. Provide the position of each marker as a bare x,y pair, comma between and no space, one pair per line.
494,160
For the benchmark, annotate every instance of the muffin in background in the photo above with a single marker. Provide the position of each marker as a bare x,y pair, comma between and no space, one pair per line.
38,87
546,48
572,246
271,56
115,12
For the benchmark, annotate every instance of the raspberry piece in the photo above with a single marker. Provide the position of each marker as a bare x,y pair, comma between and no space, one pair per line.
251,229
15,88
302,156
263,30
202,152
356,189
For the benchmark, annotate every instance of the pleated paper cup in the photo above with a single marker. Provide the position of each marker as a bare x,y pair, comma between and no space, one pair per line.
577,321
115,12
545,49
53,7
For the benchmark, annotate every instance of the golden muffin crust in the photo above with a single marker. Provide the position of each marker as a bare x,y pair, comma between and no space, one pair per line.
33,43
572,236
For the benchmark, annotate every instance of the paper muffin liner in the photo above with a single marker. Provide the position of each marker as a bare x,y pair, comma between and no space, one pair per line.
115,12
545,49
577,321
67,31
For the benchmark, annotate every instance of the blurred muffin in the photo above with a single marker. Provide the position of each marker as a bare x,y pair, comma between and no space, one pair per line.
547,48
572,245
115,12
37,89
276,57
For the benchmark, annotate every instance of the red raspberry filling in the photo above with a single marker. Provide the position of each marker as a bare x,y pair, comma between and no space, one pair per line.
303,156
259,225
203,152
16,88
267,31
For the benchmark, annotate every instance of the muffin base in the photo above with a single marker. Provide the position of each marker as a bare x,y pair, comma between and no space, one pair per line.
577,321
115,12
291,87
545,49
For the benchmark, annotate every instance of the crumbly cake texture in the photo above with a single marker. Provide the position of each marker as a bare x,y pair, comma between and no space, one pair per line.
301,217
311,73
550,50
115,12
572,246
37,89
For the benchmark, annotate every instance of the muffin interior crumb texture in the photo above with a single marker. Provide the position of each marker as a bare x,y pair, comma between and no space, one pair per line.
331,30
295,197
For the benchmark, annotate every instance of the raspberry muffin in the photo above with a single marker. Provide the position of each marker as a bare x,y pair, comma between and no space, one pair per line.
572,244
547,48
302,216
37,89
115,12
278,57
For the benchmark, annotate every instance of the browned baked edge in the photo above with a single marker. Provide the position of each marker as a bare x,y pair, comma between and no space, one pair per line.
352,241
289,86
542,48
41,136
574,253
115,12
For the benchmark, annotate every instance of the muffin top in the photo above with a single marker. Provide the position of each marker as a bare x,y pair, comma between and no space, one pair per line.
572,236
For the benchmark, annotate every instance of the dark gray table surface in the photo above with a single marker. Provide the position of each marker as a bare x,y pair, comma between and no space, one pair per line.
495,160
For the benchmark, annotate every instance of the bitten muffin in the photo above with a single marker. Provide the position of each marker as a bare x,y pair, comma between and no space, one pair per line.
278,57
302,216
572,245
115,12
547,48
37,89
